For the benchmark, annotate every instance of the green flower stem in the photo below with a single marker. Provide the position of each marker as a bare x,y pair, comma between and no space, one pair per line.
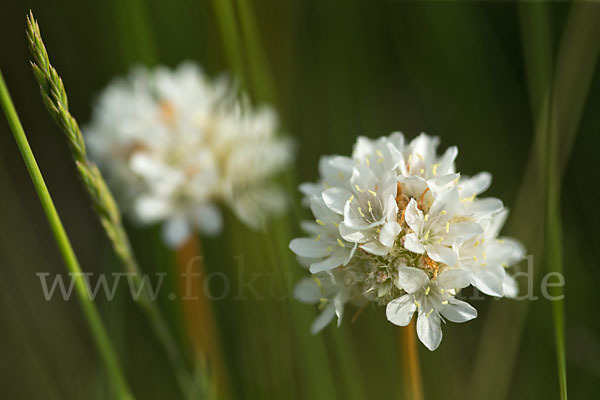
90,311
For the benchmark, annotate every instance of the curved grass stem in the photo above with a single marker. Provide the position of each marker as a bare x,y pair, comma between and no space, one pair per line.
99,334
55,99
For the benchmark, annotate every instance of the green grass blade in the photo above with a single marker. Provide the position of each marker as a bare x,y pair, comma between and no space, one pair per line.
575,65
225,13
56,101
92,316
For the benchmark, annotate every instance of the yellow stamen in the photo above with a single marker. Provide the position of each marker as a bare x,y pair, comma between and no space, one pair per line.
359,189
434,168
427,290
443,212
329,249
445,302
369,204
318,238
447,227
341,243
374,194
429,313
468,199
367,161
320,222
360,212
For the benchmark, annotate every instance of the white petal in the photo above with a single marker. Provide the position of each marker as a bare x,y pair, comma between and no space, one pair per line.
310,227
441,254
446,205
334,261
423,147
375,247
338,303
306,247
497,221
352,235
335,198
458,311
414,217
489,279
150,209
321,211
454,279
323,319
411,279
446,162
412,243
460,231
510,286
487,206
429,330
476,184
208,219
307,291
310,189
400,311
175,231
506,251
389,233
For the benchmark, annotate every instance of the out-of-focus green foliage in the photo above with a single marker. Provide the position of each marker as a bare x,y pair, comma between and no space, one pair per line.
471,73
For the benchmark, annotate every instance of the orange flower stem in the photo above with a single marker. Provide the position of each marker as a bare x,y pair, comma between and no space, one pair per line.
413,384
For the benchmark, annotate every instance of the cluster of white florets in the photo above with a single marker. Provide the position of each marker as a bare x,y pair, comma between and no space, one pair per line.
175,144
395,225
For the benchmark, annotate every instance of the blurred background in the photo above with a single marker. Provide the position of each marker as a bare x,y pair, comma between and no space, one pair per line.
477,74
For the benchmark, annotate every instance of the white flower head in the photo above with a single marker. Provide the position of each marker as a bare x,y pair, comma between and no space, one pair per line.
175,145
396,225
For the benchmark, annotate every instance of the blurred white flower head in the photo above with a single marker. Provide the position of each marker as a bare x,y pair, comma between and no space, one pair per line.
175,144
395,225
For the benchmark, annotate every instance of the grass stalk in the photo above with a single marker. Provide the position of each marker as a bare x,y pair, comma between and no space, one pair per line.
553,241
258,66
99,334
225,13
575,65
55,99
